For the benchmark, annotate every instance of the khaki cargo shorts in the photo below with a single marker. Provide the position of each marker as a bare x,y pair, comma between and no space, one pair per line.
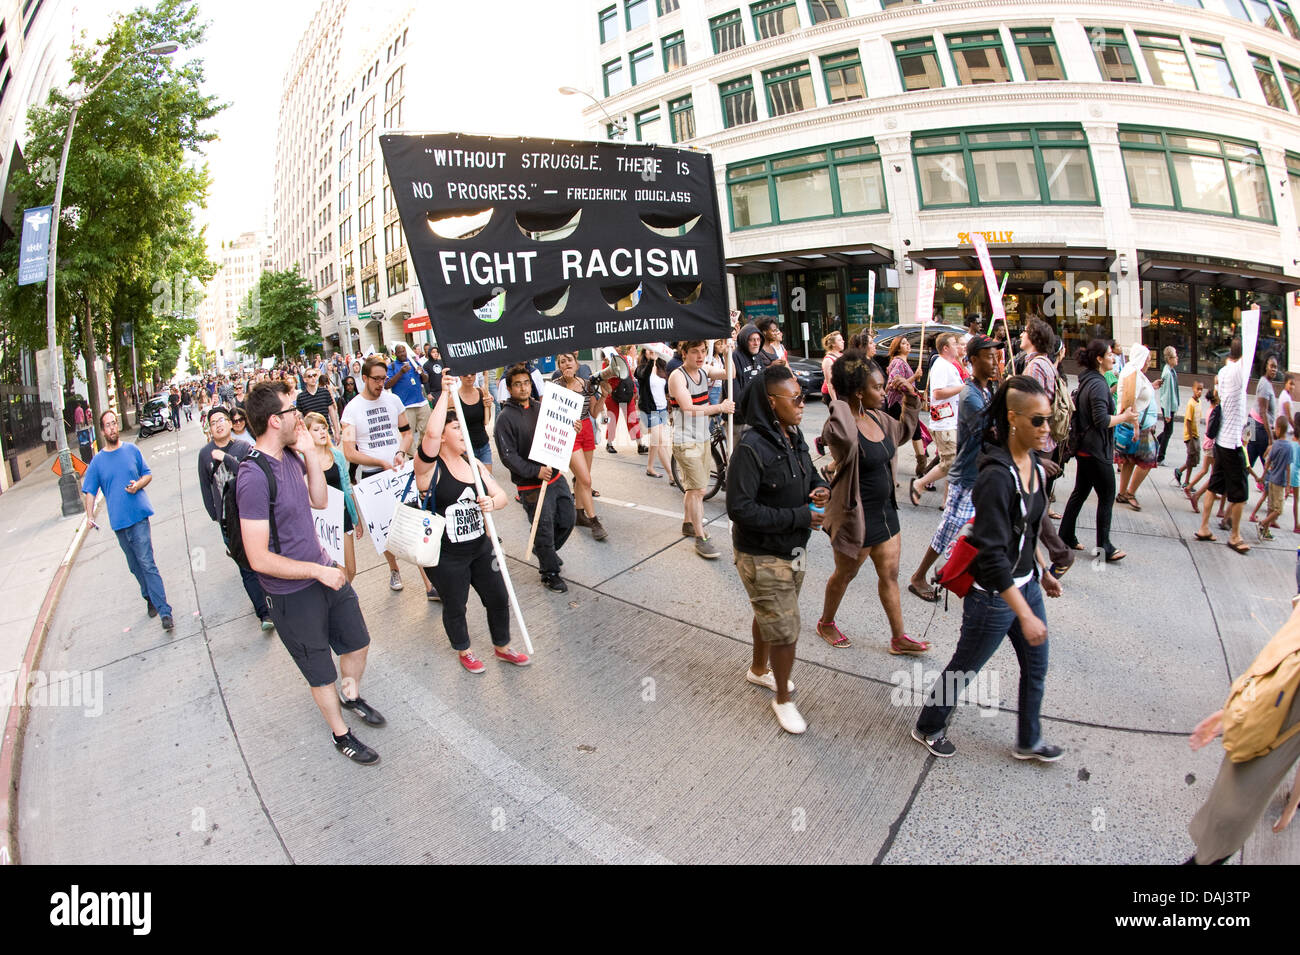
945,443
773,586
693,464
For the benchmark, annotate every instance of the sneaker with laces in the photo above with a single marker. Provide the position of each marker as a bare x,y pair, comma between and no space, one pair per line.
610,448
395,580
598,532
471,663
267,625
1042,752
704,547
363,709
512,656
768,680
787,714
354,749
555,583
688,529
167,622
938,745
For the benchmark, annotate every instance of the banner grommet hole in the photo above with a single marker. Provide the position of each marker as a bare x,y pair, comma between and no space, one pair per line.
548,226
464,225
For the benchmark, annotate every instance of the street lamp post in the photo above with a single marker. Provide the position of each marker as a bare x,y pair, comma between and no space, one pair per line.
69,488
620,127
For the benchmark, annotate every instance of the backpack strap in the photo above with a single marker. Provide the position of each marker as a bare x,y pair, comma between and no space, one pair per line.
265,465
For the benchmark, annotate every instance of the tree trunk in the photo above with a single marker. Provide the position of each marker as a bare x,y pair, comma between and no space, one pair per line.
89,353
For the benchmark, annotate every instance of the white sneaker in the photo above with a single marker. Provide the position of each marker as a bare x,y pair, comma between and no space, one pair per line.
395,581
768,680
787,714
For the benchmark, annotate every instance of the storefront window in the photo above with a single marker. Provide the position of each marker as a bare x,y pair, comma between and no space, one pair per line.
1272,328
1169,321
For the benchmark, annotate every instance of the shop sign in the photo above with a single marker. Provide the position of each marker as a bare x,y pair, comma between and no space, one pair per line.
1004,237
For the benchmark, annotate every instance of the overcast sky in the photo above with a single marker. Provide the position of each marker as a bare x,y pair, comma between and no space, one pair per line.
250,43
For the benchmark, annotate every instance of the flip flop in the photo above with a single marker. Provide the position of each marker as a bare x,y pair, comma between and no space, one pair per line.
595,493
931,598
1132,502
1205,537
1239,548
1076,547
1116,557
911,493
1053,515
653,474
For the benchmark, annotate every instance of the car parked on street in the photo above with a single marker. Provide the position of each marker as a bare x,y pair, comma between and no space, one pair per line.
808,372
885,339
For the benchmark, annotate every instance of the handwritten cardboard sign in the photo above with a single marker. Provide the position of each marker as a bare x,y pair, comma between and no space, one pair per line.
329,525
376,498
556,423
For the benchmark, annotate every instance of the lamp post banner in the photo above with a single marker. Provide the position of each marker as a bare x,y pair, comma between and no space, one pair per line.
34,253
573,244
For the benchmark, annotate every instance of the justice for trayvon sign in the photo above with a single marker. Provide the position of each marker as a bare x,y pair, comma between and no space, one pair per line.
529,247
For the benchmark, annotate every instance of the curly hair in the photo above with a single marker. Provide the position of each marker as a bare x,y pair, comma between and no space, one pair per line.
851,372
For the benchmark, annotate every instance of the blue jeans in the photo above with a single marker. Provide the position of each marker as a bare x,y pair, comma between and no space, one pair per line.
138,546
252,586
986,618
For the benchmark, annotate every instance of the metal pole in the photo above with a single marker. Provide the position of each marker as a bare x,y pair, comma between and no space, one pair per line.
69,489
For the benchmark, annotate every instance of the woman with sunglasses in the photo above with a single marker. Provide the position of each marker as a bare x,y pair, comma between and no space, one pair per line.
862,516
1006,599
239,427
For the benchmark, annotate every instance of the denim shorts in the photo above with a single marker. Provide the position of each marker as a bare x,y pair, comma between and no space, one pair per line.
484,453
652,419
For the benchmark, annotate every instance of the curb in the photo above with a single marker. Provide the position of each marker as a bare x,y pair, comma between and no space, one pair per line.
11,748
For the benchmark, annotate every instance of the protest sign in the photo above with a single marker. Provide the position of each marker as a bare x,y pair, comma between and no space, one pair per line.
990,279
329,525
556,426
1249,341
924,306
376,498
527,247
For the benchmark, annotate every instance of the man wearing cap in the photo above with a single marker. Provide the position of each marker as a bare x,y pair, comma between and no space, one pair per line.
958,508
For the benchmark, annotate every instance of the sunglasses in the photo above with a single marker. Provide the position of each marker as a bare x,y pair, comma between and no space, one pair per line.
238,420
1038,420
796,400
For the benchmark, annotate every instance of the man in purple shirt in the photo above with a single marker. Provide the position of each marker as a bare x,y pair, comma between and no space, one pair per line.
313,606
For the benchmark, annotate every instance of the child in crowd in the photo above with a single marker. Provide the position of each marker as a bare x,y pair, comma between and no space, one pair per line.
1280,455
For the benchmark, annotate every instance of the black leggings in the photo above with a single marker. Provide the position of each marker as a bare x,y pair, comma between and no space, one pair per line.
454,575
1092,474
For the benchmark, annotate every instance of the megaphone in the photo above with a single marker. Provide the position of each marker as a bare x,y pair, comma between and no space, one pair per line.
615,366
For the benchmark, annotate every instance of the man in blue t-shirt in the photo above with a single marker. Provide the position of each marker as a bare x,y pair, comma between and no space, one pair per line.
406,379
120,472
312,605
958,508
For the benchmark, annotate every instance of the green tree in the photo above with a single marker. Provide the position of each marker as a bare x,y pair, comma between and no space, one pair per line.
279,316
131,187
202,360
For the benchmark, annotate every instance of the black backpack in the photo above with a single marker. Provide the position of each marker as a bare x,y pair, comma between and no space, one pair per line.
230,512
626,388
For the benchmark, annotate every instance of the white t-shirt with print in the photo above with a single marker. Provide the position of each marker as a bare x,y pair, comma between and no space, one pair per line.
943,412
375,424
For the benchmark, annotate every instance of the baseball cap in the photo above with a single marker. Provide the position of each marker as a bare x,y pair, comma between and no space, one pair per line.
978,343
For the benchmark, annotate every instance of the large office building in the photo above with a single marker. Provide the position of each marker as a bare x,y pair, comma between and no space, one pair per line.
240,262
1134,165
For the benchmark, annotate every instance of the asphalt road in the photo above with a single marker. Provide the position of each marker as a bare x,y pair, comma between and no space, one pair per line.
634,737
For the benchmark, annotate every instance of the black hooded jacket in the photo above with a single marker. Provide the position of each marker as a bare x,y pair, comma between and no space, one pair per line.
768,483
1004,533
748,366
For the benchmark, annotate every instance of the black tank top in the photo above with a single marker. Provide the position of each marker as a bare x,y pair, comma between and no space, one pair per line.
455,501
474,419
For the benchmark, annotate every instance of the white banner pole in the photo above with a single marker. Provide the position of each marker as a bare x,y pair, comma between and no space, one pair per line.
492,527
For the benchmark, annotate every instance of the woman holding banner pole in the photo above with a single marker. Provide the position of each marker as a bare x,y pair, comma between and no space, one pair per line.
446,472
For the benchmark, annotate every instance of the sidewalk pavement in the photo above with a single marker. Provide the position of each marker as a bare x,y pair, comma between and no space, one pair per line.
634,736
40,544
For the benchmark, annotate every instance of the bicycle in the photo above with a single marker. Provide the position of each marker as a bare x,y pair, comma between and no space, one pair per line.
718,449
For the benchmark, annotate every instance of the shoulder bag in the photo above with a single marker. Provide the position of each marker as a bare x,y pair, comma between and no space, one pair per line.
416,531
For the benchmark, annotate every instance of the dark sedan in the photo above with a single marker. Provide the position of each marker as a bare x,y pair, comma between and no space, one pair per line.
885,338
808,371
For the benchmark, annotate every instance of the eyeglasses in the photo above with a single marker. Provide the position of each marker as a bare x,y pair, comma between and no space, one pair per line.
376,377
1038,420
796,400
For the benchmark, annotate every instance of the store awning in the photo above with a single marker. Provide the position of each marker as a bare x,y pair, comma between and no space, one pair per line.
1016,258
1153,268
824,258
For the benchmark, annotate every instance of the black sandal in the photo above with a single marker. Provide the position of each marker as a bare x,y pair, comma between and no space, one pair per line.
911,493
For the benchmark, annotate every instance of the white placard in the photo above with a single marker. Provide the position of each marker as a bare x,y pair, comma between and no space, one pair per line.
1249,341
871,293
990,278
376,498
556,426
925,295
329,525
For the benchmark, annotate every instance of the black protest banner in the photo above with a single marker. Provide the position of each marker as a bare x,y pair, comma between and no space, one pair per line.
529,247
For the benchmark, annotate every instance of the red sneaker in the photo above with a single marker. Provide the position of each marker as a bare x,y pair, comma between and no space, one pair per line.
471,663
512,656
